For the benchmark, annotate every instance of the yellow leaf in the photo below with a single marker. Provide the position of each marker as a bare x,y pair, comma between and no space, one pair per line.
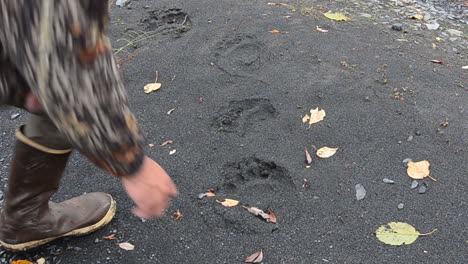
127,246
151,87
336,16
210,194
418,170
274,31
326,152
229,202
398,233
21,262
41,261
316,116
256,257
305,118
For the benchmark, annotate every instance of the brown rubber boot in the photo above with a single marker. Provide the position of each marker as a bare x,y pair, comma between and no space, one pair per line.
28,219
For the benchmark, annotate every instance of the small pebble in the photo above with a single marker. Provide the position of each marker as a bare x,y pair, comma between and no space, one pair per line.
360,192
414,184
410,138
386,180
14,116
397,27
422,189
96,240
418,133
400,206
407,160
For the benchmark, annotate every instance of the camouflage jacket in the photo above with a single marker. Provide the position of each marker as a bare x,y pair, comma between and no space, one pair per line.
58,50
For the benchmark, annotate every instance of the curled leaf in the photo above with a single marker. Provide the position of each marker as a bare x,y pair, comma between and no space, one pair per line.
319,29
168,142
229,202
177,215
418,170
398,233
308,156
305,118
170,111
110,237
210,194
257,212
274,31
126,246
272,217
151,87
326,152
256,257
336,16
21,262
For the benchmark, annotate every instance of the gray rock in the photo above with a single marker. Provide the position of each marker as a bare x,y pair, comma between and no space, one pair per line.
400,206
455,32
410,138
360,192
386,180
14,116
433,26
121,3
397,27
422,189
414,184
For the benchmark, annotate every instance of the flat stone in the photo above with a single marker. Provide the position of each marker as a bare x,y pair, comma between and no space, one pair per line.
414,184
410,138
422,189
360,192
386,180
397,27
433,26
14,116
400,206
455,32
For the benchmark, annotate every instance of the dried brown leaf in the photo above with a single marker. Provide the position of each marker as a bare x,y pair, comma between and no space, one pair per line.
177,215
418,170
256,257
210,194
316,116
274,31
229,202
272,217
305,118
326,152
257,212
110,237
168,142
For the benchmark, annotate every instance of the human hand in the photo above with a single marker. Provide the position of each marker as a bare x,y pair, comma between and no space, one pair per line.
151,189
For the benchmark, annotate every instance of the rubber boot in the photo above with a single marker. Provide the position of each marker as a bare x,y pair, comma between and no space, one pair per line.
28,219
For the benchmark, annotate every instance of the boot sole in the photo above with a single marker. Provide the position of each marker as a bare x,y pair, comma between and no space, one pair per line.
77,232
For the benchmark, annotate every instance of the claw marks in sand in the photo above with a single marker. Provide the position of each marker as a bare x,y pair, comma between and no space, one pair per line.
240,116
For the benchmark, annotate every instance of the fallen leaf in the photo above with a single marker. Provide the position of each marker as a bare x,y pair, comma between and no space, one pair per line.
308,156
418,170
434,46
336,16
151,87
437,61
417,17
41,261
256,257
319,29
177,215
274,31
438,39
444,124
170,111
172,152
316,116
272,217
257,212
110,237
210,194
326,152
398,233
229,202
305,118
21,262
151,145
168,142
126,246
200,100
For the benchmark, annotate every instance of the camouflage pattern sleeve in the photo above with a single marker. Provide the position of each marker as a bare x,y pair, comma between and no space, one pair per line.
60,49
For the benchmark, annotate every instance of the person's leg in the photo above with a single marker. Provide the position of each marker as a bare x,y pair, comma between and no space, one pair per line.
28,219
